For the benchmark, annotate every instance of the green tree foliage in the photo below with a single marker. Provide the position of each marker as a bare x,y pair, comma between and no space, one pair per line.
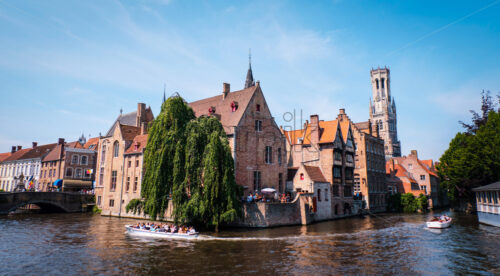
191,159
472,160
165,133
408,203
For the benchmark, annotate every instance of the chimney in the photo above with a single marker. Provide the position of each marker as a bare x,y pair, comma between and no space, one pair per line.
141,114
226,87
144,129
258,83
414,153
13,149
19,148
342,111
60,141
34,144
315,130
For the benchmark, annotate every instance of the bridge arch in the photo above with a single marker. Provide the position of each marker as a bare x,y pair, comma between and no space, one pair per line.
45,205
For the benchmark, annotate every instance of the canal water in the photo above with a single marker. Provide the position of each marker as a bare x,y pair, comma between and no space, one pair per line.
83,244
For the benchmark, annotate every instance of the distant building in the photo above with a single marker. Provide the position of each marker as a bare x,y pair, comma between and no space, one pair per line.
25,162
69,166
324,151
488,203
399,180
383,111
421,171
369,173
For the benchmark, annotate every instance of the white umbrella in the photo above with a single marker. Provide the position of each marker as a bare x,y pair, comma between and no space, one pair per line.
268,190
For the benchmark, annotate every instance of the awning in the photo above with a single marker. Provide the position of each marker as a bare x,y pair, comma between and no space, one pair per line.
82,184
58,183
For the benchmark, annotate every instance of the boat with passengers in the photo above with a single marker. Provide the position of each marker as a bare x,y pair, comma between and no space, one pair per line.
162,231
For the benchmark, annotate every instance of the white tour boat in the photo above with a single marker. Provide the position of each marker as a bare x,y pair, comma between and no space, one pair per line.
441,222
157,234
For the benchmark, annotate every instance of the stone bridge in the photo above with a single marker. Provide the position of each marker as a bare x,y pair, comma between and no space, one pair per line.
47,201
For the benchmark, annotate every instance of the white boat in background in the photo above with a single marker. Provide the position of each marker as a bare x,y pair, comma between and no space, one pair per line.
157,234
441,222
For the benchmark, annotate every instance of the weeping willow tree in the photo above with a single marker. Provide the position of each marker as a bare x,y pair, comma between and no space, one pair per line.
191,159
165,134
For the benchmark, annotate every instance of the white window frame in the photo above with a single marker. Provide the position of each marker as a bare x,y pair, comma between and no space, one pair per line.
73,159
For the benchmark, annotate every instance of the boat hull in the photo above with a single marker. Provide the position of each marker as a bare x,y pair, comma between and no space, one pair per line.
164,235
439,225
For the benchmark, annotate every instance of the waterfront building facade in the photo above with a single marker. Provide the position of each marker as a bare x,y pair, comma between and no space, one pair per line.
488,204
26,163
112,160
70,166
257,144
383,111
369,173
424,173
328,147
399,180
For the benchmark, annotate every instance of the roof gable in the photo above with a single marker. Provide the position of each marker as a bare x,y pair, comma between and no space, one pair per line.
222,107
315,174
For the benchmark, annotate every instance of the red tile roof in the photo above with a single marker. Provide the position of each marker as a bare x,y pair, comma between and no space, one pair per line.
344,127
328,132
92,142
4,155
223,108
138,144
17,155
129,132
315,174
426,168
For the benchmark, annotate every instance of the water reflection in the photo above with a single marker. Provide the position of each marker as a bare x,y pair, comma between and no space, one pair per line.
397,244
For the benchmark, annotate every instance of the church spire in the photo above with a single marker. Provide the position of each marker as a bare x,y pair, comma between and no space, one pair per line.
249,81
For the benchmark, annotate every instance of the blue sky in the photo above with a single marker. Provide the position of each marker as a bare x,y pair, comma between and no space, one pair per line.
67,67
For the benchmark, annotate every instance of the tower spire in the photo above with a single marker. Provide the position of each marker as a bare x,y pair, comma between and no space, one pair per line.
249,81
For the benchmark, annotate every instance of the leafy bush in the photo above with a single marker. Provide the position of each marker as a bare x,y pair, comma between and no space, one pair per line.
96,210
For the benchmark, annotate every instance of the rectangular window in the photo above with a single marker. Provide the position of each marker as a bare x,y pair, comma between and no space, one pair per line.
410,166
349,173
319,194
269,155
257,107
136,163
135,184
326,194
422,177
335,190
99,199
256,180
347,191
280,182
258,125
78,173
129,163
69,172
128,184
111,203
338,156
337,173
113,180
101,176
349,158
279,156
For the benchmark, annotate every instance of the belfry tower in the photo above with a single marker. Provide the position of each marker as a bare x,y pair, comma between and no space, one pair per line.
383,111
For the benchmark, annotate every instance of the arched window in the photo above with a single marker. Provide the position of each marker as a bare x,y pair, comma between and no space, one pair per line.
116,149
83,160
74,159
376,81
382,82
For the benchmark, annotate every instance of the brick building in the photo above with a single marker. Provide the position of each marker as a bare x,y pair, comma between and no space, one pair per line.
71,166
369,174
257,144
327,147
113,157
421,171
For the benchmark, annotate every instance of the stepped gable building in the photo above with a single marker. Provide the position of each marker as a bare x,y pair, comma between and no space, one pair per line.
369,174
423,172
383,111
69,166
327,147
112,160
257,144
25,162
